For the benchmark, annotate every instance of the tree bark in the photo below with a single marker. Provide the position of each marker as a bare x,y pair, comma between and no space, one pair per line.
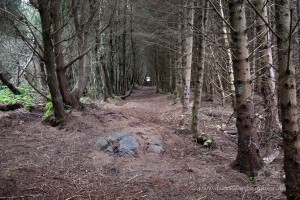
111,61
188,54
172,73
123,54
229,54
156,71
298,52
43,76
82,72
199,69
272,124
101,79
248,159
288,100
82,24
48,58
59,56
179,67
82,20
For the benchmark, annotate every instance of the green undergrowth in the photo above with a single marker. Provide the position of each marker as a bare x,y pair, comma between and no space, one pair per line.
204,140
86,100
49,111
114,96
27,98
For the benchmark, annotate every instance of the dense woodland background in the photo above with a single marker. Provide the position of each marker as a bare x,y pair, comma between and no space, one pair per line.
233,52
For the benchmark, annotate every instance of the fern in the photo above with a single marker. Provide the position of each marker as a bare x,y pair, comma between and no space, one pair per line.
49,110
27,97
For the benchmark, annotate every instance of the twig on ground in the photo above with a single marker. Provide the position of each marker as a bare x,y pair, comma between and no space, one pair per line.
72,197
15,197
137,175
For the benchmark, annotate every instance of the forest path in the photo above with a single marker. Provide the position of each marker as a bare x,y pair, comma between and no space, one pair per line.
38,161
145,104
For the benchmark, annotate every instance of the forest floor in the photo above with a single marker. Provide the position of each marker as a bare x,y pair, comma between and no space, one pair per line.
38,161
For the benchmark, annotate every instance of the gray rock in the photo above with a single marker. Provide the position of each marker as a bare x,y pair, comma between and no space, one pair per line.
101,144
110,149
155,149
119,136
122,143
154,140
127,145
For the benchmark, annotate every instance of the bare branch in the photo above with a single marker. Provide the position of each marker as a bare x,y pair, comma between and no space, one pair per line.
27,64
216,10
37,90
258,13
78,57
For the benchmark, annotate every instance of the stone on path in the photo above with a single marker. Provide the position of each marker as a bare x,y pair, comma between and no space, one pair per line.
154,145
101,144
124,143
155,149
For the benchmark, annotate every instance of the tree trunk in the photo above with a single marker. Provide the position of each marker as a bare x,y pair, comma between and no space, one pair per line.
59,57
101,76
229,54
298,52
248,159
179,67
133,50
217,72
58,49
199,69
272,124
156,71
82,72
123,53
288,100
111,61
43,78
83,68
172,73
221,88
188,54
48,58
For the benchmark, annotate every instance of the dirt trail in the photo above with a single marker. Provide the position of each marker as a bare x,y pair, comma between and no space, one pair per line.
42,162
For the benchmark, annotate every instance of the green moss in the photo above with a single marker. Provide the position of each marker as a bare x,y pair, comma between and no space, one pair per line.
114,96
251,179
27,97
204,140
49,112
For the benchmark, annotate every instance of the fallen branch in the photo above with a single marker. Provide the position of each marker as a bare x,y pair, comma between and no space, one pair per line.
137,175
16,197
10,106
9,85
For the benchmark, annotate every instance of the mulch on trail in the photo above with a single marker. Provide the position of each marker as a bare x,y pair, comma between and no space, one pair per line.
38,161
